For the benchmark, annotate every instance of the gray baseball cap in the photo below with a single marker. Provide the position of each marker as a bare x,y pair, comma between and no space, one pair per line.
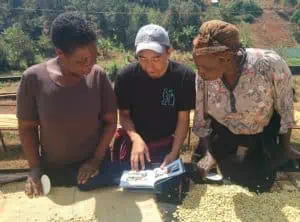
152,37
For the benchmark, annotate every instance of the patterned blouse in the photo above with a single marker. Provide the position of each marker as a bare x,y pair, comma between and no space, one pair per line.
265,84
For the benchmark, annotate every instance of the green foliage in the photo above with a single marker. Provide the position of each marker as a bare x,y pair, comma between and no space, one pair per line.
112,71
173,19
294,61
106,46
296,16
183,21
4,21
3,57
248,18
118,19
112,68
163,5
138,19
296,29
290,2
212,13
297,35
156,17
242,10
19,49
45,46
183,39
245,35
24,40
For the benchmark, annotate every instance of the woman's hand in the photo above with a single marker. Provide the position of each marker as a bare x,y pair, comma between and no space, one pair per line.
206,163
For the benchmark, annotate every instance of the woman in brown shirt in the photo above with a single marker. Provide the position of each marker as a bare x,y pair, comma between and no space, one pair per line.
71,101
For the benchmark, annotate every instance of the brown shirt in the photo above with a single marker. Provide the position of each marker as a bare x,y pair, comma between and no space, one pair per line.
70,117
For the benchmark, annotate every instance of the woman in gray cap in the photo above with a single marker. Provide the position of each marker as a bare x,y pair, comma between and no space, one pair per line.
244,107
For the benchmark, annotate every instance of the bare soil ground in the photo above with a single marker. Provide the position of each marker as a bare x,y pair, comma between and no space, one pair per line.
270,31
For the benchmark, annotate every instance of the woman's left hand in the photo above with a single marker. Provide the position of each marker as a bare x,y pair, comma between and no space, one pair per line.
87,170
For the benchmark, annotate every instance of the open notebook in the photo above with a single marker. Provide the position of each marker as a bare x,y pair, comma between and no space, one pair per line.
147,179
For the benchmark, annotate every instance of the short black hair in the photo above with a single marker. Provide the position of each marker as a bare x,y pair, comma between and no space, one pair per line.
69,31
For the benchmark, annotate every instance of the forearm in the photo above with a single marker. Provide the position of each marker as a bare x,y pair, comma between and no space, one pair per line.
105,139
179,137
129,127
30,145
181,131
286,138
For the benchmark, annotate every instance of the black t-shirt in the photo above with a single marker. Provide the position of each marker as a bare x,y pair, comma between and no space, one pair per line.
155,103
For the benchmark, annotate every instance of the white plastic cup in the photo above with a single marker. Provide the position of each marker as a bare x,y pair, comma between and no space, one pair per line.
46,184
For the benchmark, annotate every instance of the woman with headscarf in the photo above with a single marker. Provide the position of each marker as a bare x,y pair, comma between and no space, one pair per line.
244,107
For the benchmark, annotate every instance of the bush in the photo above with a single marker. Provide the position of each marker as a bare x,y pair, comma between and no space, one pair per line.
248,18
19,49
290,3
156,17
297,36
112,71
183,40
245,35
212,13
106,46
252,7
296,16
3,57
244,10
45,46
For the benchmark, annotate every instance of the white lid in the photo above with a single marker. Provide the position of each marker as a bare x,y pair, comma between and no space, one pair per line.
46,184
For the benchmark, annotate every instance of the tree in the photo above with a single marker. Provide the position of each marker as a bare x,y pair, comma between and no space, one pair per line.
14,3
18,47
290,2
173,22
163,5
139,18
241,10
156,17
5,16
296,16
192,14
183,40
183,23
212,13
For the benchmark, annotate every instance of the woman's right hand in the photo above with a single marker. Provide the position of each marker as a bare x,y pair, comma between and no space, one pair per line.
33,186
206,163
139,151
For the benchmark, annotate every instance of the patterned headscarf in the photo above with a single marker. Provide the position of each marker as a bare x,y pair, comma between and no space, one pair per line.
216,36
